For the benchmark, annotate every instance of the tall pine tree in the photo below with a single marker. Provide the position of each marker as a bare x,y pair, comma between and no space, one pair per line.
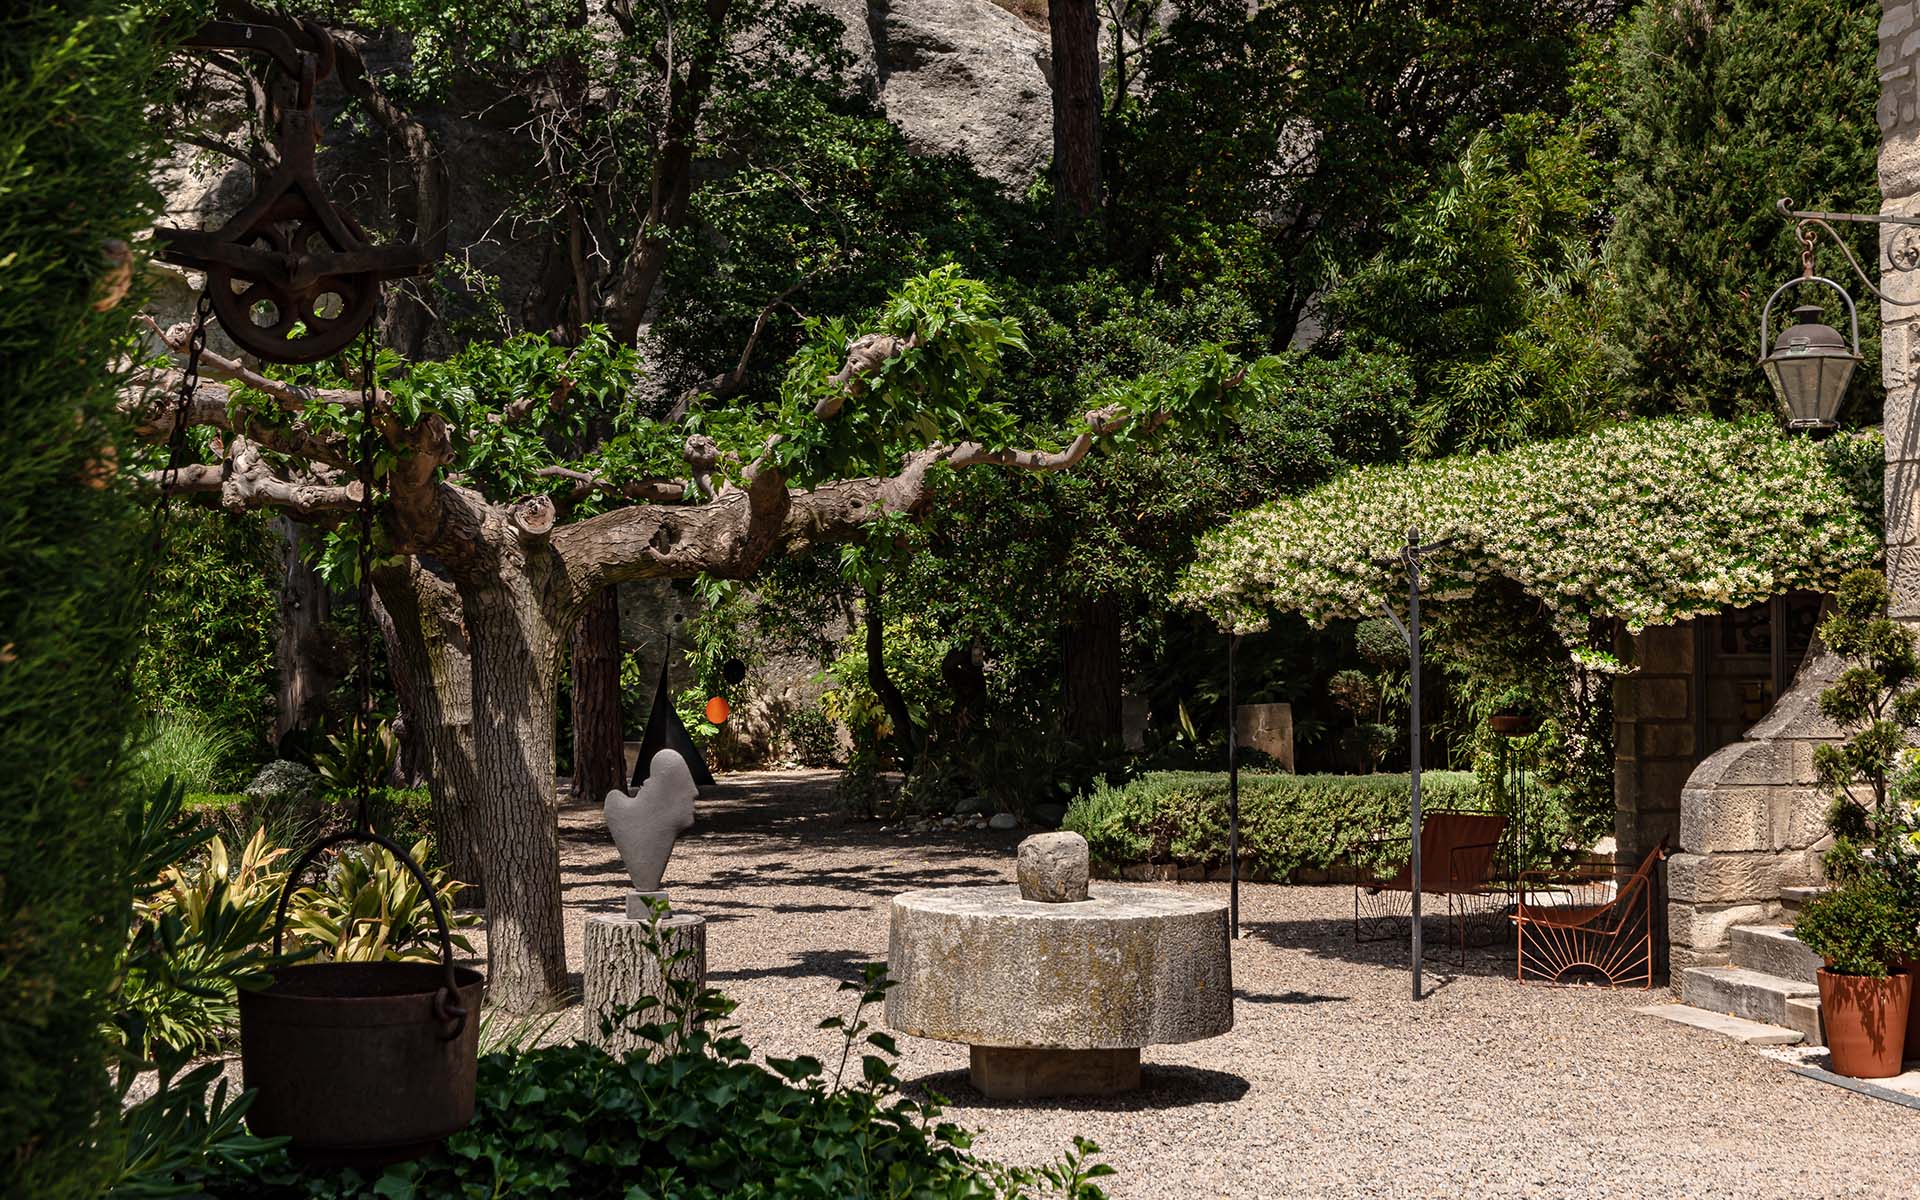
1723,107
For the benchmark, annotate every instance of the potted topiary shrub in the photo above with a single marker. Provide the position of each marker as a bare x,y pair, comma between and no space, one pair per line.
1862,929
1873,819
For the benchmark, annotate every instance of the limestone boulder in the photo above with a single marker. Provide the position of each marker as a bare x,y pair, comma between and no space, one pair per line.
1052,868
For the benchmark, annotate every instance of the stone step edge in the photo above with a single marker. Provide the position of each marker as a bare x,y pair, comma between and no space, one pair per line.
1764,948
1739,1029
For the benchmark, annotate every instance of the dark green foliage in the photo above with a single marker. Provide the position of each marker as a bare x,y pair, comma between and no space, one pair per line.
207,649
702,1123
1722,107
1287,822
176,975
808,735
72,146
1269,140
1861,927
1876,702
1491,286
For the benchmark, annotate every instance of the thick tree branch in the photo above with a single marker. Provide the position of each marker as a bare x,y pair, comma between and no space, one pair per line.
658,491
244,483
151,403
291,397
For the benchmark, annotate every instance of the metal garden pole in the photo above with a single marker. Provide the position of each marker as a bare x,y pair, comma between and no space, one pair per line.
1233,790
1413,735
1410,630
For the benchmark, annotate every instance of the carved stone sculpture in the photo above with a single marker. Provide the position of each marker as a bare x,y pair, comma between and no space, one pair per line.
645,823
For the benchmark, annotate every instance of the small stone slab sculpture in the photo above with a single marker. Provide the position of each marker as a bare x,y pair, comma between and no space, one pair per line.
631,957
645,823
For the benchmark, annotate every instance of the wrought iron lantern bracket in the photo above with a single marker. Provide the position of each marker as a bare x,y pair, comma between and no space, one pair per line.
1903,250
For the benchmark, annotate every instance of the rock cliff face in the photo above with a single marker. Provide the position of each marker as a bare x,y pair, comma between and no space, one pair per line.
959,76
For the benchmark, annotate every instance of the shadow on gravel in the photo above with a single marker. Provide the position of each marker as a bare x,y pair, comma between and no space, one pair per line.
1334,940
807,964
1161,1087
1246,997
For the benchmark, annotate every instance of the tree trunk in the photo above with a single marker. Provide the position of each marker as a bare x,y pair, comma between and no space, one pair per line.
599,751
882,683
1076,105
300,656
433,672
1091,672
515,660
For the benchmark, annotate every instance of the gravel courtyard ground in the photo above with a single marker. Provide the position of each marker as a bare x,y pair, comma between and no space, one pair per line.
1332,1083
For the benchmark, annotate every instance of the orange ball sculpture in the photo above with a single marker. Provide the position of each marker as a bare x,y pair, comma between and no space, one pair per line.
718,710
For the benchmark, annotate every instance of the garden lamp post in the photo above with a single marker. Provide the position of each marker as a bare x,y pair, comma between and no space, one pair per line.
1810,364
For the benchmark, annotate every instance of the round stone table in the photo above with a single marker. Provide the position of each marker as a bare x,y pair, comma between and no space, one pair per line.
1057,999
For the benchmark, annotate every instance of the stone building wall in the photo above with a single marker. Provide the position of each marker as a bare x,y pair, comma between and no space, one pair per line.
1899,115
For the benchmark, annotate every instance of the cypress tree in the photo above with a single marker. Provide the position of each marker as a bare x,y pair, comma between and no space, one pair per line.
1723,107
74,159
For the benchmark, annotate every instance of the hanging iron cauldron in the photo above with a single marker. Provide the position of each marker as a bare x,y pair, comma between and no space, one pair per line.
362,1063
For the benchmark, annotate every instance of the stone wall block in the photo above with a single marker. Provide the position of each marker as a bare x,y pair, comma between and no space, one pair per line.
1708,926
1665,650
1666,698
1800,817
1733,878
1666,740
1727,819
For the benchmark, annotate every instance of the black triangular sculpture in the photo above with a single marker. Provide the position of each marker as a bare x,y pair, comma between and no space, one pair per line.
665,732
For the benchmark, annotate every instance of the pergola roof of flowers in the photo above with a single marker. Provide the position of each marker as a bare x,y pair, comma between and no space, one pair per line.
1648,522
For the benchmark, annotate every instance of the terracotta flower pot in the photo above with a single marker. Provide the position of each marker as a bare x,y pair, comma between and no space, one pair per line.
1510,724
1912,968
1866,1021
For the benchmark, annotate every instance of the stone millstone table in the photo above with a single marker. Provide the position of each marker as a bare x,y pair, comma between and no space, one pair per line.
1056,997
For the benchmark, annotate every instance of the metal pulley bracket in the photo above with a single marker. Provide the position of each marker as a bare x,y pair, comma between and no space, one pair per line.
292,277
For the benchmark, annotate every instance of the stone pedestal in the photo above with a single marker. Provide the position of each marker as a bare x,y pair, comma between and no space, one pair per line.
628,961
1058,998
1003,1073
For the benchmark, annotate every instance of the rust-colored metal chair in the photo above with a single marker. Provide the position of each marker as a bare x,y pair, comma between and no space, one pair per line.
1457,860
1568,922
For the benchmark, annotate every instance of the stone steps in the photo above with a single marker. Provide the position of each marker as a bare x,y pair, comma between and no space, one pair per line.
1773,950
1744,992
1749,1033
1794,898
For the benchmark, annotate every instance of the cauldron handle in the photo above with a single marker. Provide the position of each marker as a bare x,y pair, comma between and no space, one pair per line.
446,1002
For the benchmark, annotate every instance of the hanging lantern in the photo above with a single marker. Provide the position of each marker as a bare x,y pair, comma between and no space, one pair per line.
1809,364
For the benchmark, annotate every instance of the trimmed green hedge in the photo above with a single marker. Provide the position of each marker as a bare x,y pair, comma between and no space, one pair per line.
1287,822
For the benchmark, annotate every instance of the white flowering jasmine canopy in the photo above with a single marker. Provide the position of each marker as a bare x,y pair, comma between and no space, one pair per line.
1647,522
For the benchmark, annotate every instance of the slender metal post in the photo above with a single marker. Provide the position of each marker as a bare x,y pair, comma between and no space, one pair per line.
1413,734
1233,790
1410,630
